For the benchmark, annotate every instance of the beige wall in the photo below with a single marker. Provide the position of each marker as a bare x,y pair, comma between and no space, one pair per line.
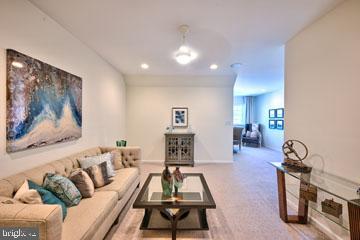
24,28
322,84
210,114
322,90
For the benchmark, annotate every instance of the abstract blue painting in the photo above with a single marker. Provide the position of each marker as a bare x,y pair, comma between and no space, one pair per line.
44,103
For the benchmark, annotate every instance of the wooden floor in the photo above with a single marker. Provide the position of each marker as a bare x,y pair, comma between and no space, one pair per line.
246,196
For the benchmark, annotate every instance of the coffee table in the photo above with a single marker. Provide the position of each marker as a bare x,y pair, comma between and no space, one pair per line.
185,210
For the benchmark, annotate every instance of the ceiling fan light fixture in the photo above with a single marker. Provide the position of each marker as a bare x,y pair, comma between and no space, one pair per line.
184,54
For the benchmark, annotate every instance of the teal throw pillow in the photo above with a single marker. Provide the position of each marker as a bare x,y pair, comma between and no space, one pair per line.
63,188
48,197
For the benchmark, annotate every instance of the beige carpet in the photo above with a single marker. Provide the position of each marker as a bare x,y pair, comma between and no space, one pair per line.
245,193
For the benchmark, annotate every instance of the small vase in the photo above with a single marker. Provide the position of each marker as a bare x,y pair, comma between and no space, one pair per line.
178,179
167,182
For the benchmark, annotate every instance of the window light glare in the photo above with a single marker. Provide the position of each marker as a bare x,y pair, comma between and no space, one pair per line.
17,64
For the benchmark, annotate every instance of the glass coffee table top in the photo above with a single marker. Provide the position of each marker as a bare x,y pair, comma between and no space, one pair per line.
194,193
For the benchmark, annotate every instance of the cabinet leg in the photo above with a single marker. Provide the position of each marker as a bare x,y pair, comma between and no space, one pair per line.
354,220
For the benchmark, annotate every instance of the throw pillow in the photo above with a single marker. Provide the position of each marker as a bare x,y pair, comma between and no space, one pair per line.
63,188
48,197
83,182
248,133
23,189
98,175
95,160
254,134
117,159
26,195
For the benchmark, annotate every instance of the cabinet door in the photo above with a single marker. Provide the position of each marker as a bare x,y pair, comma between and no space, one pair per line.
185,148
172,148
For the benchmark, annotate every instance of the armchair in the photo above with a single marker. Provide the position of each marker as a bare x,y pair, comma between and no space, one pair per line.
252,135
237,135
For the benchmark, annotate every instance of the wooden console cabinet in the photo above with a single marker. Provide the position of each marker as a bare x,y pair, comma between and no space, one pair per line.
179,149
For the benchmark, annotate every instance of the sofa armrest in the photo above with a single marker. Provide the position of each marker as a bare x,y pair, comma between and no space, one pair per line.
130,156
47,218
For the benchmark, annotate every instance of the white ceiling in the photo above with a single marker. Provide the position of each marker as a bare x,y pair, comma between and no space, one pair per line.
129,32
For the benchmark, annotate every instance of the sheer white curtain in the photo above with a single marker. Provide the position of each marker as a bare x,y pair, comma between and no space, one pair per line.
239,110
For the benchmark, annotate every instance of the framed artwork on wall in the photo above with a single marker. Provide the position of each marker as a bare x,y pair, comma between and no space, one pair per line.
44,103
280,113
179,116
280,124
272,113
272,124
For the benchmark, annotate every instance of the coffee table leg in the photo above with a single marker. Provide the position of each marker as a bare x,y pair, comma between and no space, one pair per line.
174,220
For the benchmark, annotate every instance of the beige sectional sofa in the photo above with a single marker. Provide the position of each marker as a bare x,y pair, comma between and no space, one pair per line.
93,217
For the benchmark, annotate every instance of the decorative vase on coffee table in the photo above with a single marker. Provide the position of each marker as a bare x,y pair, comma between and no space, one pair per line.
178,180
167,182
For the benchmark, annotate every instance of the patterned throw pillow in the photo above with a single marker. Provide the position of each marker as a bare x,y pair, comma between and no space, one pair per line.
96,160
48,197
98,175
83,182
63,188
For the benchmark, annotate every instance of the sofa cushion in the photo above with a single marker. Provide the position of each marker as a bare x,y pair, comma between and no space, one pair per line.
122,181
84,219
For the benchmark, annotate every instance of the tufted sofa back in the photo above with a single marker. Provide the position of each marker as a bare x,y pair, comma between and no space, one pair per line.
128,157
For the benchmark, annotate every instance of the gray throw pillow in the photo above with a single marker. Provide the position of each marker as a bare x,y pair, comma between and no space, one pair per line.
98,175
96,160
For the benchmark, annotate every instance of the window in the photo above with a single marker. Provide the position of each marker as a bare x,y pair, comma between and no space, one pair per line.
239,110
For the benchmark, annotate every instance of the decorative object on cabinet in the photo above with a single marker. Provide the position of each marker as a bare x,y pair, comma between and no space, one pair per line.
272,113
279,113
280,124
293,161
179,149
272,124
331,207
179,117
308,191
44,103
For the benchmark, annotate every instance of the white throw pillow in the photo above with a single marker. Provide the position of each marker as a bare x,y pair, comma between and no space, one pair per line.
248,134
254,134
23,189
96,160
26,195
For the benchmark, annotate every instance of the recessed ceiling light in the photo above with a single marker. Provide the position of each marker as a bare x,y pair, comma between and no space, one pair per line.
144,66
17,64
213,66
